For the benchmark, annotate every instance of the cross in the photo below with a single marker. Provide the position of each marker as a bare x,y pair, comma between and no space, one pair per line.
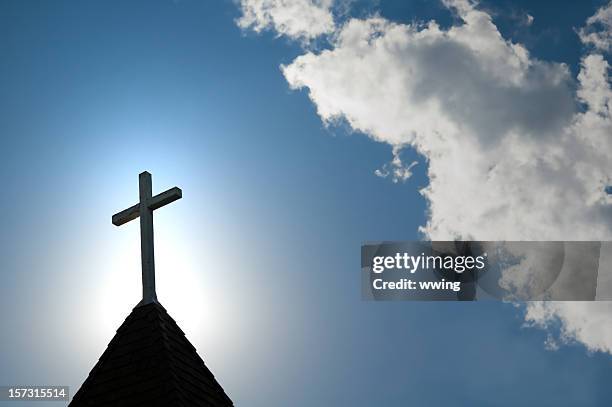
144,209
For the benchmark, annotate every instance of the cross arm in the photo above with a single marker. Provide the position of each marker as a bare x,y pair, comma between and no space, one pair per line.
126,215
165,198
153,203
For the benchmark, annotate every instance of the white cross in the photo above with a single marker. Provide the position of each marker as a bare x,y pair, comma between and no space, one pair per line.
144,209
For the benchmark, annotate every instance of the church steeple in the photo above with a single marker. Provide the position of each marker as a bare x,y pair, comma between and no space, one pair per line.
150,362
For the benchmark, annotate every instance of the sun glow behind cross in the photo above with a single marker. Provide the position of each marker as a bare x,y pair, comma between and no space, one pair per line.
185,278
194,238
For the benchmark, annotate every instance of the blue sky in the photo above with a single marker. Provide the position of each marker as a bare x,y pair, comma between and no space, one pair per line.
275,207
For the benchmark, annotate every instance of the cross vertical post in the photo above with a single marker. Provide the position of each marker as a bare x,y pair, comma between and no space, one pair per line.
146,239
144,209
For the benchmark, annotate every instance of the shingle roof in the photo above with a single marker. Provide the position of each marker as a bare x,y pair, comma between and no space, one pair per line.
150,362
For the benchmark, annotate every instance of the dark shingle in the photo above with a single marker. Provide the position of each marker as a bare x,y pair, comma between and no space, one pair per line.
150,362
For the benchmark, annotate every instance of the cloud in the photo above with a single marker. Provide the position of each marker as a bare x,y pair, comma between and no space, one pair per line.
509,157
598,29
297,19
584,322
396,169
517,148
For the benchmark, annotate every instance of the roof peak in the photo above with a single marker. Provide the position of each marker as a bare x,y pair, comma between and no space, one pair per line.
150,361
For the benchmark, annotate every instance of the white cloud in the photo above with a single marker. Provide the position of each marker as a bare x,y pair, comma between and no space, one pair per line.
598,29
396,169
509,157
514,151
583,322
298,19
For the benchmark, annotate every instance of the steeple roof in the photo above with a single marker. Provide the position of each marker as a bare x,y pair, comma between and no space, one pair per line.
150,362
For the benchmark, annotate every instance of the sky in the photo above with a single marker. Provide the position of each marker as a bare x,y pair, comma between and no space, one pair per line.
292,128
